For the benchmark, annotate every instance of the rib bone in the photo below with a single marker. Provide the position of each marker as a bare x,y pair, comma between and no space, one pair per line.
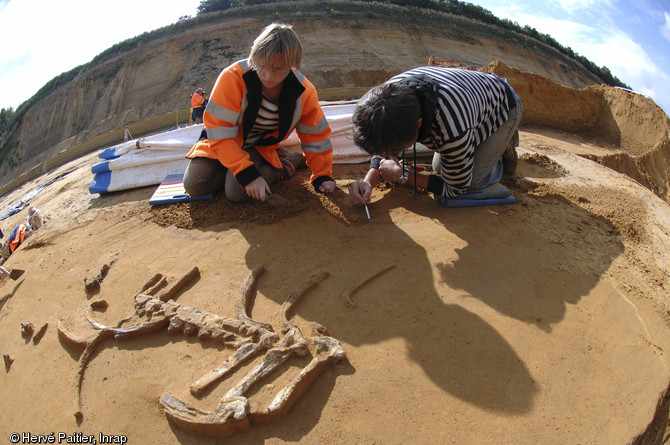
348,294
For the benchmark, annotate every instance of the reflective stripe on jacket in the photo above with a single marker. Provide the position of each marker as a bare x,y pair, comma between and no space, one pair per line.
233,108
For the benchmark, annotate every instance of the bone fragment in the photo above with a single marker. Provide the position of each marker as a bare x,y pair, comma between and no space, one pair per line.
99,304
221,422
149,283
92,284
27,329
348,294
8,361
144,328
70,339
162,282
179,285
293,299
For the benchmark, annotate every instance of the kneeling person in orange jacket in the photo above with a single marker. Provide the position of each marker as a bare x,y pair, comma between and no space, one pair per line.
255,104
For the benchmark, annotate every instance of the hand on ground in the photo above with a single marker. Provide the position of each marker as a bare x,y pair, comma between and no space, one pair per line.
258,188
327,187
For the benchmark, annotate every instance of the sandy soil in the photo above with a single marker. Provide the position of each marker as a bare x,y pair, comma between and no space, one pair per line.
543,321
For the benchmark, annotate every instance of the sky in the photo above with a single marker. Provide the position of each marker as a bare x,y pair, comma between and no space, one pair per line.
40,39
630,37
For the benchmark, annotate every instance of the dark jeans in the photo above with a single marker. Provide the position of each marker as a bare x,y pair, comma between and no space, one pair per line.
197,114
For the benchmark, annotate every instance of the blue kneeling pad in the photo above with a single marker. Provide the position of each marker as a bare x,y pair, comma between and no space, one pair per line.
493,194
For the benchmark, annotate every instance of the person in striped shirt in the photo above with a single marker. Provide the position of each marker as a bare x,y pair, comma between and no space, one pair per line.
255,104
468,118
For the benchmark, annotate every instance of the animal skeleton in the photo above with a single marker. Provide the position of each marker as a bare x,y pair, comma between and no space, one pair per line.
248,337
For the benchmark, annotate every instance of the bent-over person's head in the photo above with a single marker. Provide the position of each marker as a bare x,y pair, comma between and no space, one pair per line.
386,119
277,38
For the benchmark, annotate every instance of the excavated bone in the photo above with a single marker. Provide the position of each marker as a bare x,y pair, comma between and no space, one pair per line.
247,336
70,339
155,314
27,329
348,294
149,283
179,285
92,284
293,299
83,362
234,413
242,304
244,353
328,350
8,361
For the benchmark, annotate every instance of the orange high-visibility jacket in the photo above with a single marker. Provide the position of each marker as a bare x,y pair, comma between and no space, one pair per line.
17,237
233,108
197,100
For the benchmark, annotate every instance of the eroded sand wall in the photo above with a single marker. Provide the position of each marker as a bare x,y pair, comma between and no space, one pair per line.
636,129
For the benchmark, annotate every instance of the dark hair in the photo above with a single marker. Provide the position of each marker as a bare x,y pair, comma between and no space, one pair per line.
386,117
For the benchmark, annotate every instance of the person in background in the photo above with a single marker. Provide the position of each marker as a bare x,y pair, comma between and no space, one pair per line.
255,104
468,118
198,103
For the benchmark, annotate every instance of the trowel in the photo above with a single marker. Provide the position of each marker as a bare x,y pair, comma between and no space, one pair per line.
276,200
14,274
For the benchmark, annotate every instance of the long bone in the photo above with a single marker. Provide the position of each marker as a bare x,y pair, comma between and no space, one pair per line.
243,353
247,337
233,413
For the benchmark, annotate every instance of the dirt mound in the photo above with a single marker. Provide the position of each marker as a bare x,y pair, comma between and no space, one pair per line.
633,129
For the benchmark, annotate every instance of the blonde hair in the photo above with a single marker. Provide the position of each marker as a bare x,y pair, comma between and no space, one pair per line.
277,38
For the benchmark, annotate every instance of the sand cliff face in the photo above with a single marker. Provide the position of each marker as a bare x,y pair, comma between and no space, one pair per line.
148,89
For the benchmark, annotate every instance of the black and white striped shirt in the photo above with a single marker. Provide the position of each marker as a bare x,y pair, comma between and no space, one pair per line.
471,105
266,122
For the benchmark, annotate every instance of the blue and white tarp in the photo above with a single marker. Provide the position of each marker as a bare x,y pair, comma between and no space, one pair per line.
143,162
